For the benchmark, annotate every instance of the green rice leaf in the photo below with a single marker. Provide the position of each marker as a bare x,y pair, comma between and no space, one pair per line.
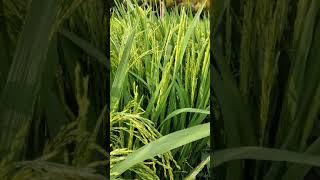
23,82
121,73
198,169
184,110
162,145
85,46
261,153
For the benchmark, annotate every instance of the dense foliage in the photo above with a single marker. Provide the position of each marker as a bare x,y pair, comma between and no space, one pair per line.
53,83
266,75
160,84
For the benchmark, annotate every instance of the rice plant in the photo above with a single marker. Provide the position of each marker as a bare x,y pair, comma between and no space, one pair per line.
160,85
266,88
53,89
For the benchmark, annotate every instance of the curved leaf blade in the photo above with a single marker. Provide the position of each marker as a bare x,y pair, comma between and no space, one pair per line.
162,145
261,153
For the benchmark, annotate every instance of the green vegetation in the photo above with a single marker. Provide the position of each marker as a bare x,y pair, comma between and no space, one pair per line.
160,93
194,4
53,84
172,3
266,76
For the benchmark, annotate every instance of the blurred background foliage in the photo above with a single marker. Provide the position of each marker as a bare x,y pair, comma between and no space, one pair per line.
53,85
266,83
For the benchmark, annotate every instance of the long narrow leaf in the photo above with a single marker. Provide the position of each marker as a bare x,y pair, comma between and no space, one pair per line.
86,46
23,83
162,145
260,153
121,73
184,110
